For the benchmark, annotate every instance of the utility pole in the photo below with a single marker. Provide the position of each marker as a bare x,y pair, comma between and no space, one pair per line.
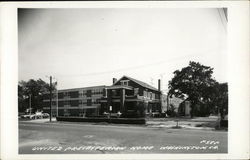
50,99
56,101
30,102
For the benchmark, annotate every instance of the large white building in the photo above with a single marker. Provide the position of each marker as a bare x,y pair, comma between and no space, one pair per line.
75,102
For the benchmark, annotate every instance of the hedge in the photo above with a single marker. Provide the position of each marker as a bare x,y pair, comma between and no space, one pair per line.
108,120
224,123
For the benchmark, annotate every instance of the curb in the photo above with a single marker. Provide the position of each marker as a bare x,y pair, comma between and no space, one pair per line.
181,127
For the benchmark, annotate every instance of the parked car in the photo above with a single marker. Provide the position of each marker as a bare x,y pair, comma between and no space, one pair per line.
114,115
45,115
156,114
23,116
20,114
29,116
106,114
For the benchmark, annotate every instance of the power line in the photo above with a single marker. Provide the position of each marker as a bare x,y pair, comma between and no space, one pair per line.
131,68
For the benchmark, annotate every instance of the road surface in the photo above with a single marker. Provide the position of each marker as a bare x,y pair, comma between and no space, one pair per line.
78,138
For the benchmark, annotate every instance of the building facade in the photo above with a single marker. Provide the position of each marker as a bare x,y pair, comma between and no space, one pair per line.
127,96
75,102
131,98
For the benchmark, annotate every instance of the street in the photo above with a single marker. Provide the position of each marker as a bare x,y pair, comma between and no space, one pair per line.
75,138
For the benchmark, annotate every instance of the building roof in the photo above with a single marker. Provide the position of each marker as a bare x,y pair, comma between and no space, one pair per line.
90,87
120,86
143,84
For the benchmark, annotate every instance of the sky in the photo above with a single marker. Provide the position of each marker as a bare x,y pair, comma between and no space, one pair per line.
89,47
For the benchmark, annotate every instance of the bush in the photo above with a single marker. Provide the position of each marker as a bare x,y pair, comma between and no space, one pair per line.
130,115
224,123
108,120
94,116
171,113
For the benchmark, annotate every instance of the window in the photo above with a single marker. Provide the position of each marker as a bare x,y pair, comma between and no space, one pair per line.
97,101
89,102
89,93
157,96
74,103
136,91
66,102
150,95
74,94
96,91
84,102
84,92
46,96
66,112
153,96
80,94
114,93
124,82
66,94
60,95
105,92
46,104
60,103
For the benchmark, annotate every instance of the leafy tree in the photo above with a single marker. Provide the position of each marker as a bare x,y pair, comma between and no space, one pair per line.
34,89
192,83
218,100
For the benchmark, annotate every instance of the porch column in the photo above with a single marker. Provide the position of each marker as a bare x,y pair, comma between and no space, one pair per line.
145,104
109,98
122,100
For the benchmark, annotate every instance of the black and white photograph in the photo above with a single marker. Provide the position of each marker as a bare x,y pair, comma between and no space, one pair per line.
122,80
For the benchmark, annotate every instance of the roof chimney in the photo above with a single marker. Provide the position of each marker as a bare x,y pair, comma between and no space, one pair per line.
114,80
159,85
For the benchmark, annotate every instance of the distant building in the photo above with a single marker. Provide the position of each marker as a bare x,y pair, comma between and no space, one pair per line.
164,103
127,96
180,106
184,108
174,102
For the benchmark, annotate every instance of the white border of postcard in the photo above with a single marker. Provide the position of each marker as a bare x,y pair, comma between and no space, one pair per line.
238,66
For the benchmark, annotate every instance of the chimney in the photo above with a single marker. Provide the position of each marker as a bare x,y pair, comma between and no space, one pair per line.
159,85
114,80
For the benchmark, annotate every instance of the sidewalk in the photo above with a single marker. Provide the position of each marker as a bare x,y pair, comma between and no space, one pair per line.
205,123
44,120
199,123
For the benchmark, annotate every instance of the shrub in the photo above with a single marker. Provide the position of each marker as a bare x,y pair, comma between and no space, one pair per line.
171,113
224,123
108,120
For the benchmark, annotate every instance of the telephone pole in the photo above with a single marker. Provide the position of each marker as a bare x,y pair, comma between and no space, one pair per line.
30,103
50,99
